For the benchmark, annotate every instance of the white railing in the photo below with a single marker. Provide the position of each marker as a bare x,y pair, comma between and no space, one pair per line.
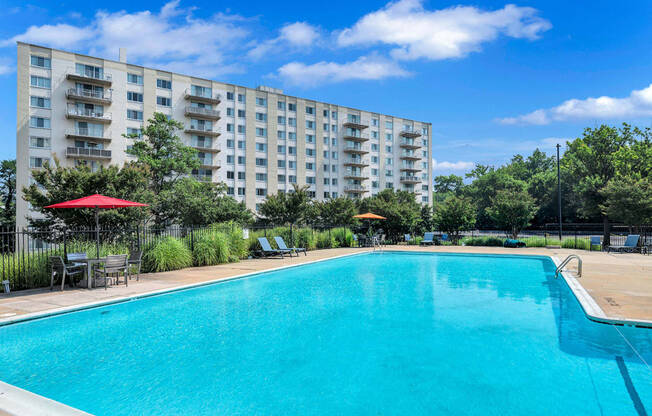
80,92
87,112
82,131
83,151
200,111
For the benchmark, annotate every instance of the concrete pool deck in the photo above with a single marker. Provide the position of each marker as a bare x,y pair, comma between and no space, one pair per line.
620,284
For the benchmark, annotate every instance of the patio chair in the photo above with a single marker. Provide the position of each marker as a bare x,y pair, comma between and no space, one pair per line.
267,249
356,242
407,238
75,257
594,241
135,260
444,237
282,246
60,268
630,246
428,239
114,265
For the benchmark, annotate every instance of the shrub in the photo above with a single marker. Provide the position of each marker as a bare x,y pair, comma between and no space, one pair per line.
303,237
167,254
415,241
211,248
580,243
343,236
324,240
483,241
238,246
540,241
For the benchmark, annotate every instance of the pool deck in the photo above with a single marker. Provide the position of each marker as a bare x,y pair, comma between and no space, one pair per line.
620,284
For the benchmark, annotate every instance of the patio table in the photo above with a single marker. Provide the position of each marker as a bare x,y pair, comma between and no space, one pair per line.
89,266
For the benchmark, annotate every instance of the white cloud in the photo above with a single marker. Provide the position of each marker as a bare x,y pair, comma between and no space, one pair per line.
447,33
452,166
58,36
6,69
296,36
363,68
637,104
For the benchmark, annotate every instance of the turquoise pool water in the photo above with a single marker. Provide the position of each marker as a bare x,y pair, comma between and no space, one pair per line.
373,334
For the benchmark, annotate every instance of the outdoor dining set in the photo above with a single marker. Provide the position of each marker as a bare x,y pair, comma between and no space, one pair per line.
97,270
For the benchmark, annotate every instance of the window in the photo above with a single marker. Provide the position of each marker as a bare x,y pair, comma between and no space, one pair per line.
334,128
292,150
389,185
241,113
230,190
374,172
389,124
261,191
134,115
280,163
164,101
310,124
310,152
241,191
230,111
241,129
292,179
230,144
132,131
334,155
310,166
280,105
261,177
134,96
230,159
241,98
326,195
389,161
280,134
39,142
281,120
280,178
310,110
374,184
206,92
325,126
261,116
39,122
310,138
41,61
374,122
292,122
389,137
39,82
89,71
229,127
388,149
374,147
374,134
292,164
334,115
374,159
325,113
389,173
424,131
280,149
242,175
334,141
37,162
261,161
334,182
164,84
334,169
230,174
326,154
292,107
40,102
261,102
261,147
310,180
261,132
241,160
135,79
292,135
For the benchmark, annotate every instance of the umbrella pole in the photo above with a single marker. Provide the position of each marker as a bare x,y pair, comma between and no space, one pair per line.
97,231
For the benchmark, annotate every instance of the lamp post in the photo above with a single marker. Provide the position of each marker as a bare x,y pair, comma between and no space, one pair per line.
559,191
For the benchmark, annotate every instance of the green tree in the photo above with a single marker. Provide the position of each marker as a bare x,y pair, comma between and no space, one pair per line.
427,220
512,210
335,212
455,215
445,186
402,211
54,184
286,208
484,188
8,193
629,200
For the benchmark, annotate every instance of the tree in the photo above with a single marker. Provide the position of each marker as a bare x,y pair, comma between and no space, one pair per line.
8,193
629,200
427,220
402,211
334,212
163,152
455,215
286,208
483,189
194,203
445,186
54,184
512,210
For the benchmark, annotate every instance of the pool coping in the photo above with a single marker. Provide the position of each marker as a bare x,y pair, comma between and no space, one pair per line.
17,401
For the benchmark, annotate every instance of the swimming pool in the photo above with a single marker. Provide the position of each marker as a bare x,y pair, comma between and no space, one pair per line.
381,333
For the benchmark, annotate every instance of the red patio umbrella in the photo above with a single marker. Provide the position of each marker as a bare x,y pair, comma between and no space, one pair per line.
97,201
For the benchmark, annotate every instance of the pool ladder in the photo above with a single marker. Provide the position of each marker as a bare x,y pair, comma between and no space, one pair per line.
567,260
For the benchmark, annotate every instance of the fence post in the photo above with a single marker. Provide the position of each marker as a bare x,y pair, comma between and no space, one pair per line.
65,246
576,236
192,239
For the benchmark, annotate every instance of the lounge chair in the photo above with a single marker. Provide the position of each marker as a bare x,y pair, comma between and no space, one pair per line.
114,265
630,246
282,246
59,267
444,237
267,249
408,238
594,241
428,239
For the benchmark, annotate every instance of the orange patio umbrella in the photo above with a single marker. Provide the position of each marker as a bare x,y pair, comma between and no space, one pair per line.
369,216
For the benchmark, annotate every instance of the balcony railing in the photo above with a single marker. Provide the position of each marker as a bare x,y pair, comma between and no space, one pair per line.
355,174
410,155
203,178
356,123
85,133
202,129
89,95
355,148
409,133
202,96
409,144
88,114
202,112
89,153
410,179
410,167
102,78
356,138
355,189
356,161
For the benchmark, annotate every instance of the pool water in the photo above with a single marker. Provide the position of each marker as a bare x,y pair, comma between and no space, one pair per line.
373,334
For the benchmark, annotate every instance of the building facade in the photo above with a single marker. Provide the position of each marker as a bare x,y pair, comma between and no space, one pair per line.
257,141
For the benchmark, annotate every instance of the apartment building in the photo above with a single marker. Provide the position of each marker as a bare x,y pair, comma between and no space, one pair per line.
257,141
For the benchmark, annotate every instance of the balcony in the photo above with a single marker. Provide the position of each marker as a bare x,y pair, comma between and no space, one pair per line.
201,130
88,114
409,155
202,97
204,148
409,144
355,175
199,112
409,133
86,153
203,178
85,133
356,148
208,162
410,179
356,161
355,189
359,139
411,167
80,94
92,78
355,124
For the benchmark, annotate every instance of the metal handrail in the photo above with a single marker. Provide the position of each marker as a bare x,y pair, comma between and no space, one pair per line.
567,260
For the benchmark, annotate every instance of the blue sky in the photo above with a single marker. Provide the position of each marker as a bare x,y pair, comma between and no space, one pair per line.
494,78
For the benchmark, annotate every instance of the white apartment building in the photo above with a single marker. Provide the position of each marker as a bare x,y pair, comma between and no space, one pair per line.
257,141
